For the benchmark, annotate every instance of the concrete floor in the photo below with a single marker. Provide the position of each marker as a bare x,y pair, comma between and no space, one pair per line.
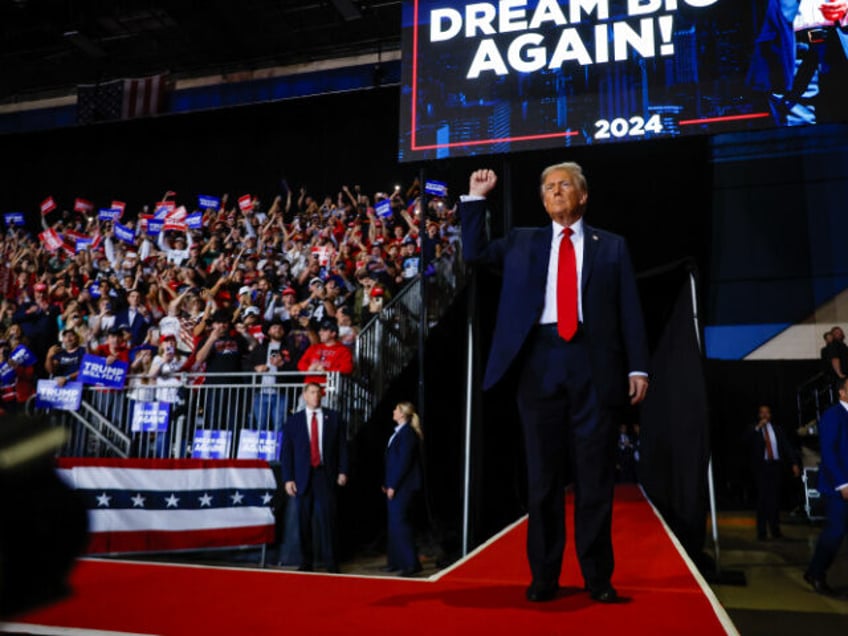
774,599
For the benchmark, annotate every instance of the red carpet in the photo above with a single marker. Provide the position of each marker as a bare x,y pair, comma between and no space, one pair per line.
482,595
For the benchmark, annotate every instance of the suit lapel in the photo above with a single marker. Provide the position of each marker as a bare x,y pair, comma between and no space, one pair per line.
540,254
591,242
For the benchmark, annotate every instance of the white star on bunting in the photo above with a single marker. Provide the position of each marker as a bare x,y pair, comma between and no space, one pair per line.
172,501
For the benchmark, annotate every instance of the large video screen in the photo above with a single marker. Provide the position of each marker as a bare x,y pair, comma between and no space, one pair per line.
513,75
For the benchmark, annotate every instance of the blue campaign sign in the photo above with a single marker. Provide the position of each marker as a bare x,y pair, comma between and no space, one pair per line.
13,218
150,417
23,356
259,445
209,444
109,214
124,233
194,221
49,395
83,245
436,188
204,201
7,374
94,370
154,226
384,208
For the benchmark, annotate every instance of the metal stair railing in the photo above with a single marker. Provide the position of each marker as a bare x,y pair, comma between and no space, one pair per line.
388,342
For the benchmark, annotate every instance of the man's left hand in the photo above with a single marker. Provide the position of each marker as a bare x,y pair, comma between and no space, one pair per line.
342,480
638,388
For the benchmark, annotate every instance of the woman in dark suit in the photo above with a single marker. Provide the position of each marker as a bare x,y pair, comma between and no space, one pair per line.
403,480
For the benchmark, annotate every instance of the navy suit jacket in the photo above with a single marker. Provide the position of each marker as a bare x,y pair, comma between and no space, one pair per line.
833,434
295,454
785,451
403,468
138,327
612,313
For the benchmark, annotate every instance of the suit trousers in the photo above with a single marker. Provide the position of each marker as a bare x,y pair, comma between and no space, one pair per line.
565,427
769,475
316,510
833,533
402,554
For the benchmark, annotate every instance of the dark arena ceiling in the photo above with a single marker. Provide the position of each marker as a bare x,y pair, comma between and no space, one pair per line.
48,47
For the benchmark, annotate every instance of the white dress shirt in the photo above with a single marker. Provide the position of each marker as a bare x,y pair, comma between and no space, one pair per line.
549,313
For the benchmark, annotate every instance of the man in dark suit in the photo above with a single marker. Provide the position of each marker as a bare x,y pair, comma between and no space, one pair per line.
833,486
582,351
770,452
135,319
314,460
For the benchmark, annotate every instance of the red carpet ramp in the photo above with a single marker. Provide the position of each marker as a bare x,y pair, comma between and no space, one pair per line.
483,594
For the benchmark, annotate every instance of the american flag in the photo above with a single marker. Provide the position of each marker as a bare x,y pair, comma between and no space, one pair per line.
122,99
161,504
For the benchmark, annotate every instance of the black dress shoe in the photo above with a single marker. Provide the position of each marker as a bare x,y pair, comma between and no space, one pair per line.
605,594
819,584
415,569
305,567
539,592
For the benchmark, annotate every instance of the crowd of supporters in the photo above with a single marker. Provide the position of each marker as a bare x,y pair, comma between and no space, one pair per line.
203,292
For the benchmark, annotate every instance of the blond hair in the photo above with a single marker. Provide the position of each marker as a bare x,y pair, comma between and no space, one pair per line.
408,410
574,171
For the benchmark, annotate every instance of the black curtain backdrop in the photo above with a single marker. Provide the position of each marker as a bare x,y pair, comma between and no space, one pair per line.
674,437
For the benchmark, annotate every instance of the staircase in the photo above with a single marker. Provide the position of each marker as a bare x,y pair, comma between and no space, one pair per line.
389,341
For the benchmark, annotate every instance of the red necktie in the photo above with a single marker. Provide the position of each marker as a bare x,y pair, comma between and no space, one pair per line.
314,448
769,449
567,287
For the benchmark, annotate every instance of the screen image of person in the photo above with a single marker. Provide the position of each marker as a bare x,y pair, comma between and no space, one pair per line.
569,315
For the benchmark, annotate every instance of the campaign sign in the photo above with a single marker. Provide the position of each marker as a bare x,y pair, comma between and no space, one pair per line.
23,356
49,395
211,444
204,201
163,208
50,239
108,214
245,203
259,445
7,374
83,245
94,370
13,218
48,205
126,234
154,226
150,417
194,221
384,208
436,188
94,291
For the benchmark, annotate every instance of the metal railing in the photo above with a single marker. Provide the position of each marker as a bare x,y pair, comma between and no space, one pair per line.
812,398
210,402
389,341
